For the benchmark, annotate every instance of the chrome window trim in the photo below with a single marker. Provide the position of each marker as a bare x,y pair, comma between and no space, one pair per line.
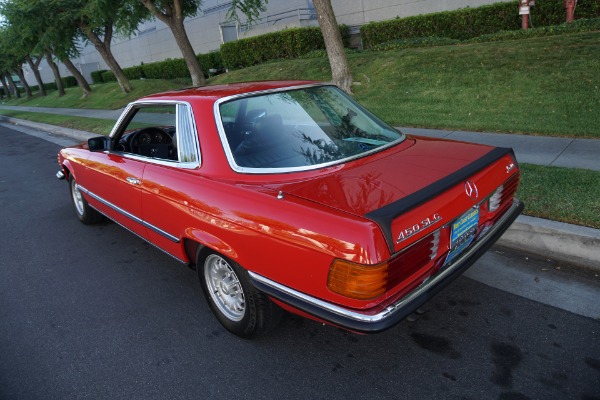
127,214
365,317
246,170
184,115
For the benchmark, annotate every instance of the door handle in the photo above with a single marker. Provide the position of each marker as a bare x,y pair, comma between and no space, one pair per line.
133,181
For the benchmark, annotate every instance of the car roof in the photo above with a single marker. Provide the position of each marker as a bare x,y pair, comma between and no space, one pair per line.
215,92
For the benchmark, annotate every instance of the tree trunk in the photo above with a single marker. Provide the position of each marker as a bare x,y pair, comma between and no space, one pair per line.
83,84
173,18
188,53
56,72
340,70
103,47
19,72
12,85
5,86
36,72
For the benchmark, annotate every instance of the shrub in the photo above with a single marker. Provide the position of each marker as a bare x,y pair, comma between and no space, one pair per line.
468,23
209,61
108,76
69,81
97,76
168,69
285,44
135,72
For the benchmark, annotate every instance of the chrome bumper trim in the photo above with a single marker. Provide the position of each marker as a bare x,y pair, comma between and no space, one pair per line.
364,321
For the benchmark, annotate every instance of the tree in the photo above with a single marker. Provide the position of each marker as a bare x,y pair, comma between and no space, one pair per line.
340,70
56,72
173,14
22,40
41,37
96,21
35,68
12,58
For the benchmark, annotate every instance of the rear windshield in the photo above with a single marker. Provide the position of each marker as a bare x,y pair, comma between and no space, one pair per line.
300,129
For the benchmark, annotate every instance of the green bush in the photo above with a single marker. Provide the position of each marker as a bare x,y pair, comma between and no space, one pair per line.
108,76
168,69
285,44
97,76
135,72
468,23
50,86
69,81
209,61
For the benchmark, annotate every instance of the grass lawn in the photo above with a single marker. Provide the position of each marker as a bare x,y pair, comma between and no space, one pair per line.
561,194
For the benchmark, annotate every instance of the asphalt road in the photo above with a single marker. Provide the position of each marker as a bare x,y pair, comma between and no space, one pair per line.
94,312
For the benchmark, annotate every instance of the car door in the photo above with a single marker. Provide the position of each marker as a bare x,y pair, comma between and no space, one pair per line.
164,203
113,186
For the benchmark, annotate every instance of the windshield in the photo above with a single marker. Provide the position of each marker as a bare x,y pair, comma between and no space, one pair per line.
300,129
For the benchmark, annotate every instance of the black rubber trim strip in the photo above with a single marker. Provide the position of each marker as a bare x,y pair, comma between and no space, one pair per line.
400,314
386,214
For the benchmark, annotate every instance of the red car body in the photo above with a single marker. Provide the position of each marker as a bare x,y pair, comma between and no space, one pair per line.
359,243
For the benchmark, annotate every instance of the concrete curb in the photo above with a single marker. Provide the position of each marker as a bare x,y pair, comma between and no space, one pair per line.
565,242
52,129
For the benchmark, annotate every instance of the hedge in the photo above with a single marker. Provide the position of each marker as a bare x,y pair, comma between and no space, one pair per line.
97,76
468,23
69,81
168,69
108,76
285,44
212,60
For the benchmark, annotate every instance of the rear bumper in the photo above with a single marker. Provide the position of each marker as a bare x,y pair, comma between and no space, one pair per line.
371,322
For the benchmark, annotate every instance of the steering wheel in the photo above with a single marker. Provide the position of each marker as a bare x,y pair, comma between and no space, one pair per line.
147,136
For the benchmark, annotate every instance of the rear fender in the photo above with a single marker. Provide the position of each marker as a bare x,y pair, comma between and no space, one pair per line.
206,239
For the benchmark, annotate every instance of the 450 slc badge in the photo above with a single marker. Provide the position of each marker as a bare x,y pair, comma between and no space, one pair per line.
418,227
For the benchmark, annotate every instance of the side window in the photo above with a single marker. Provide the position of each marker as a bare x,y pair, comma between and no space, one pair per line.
151,132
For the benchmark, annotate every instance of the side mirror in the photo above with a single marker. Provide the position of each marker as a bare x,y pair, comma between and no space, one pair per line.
100,143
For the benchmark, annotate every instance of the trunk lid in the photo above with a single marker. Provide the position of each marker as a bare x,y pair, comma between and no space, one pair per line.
396,187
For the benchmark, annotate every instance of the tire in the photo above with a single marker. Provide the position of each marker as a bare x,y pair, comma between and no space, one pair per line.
236,303
84,212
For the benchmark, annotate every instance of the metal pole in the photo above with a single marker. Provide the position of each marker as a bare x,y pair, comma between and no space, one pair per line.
570,6
524,12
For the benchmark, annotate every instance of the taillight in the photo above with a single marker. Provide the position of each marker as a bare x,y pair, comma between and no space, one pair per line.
503,194
495,199
413,259
365,282
358,281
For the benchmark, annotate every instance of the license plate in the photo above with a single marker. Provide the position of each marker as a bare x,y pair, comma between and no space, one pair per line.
463,233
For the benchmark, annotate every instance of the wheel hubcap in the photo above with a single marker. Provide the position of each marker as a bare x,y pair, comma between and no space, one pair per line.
77,198
224,287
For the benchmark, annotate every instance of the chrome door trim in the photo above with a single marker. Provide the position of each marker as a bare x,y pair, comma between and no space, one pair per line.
127,214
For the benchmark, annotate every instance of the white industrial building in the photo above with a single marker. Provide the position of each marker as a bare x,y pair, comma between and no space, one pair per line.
210,28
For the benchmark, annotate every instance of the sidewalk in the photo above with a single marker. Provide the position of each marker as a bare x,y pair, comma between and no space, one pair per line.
565,242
